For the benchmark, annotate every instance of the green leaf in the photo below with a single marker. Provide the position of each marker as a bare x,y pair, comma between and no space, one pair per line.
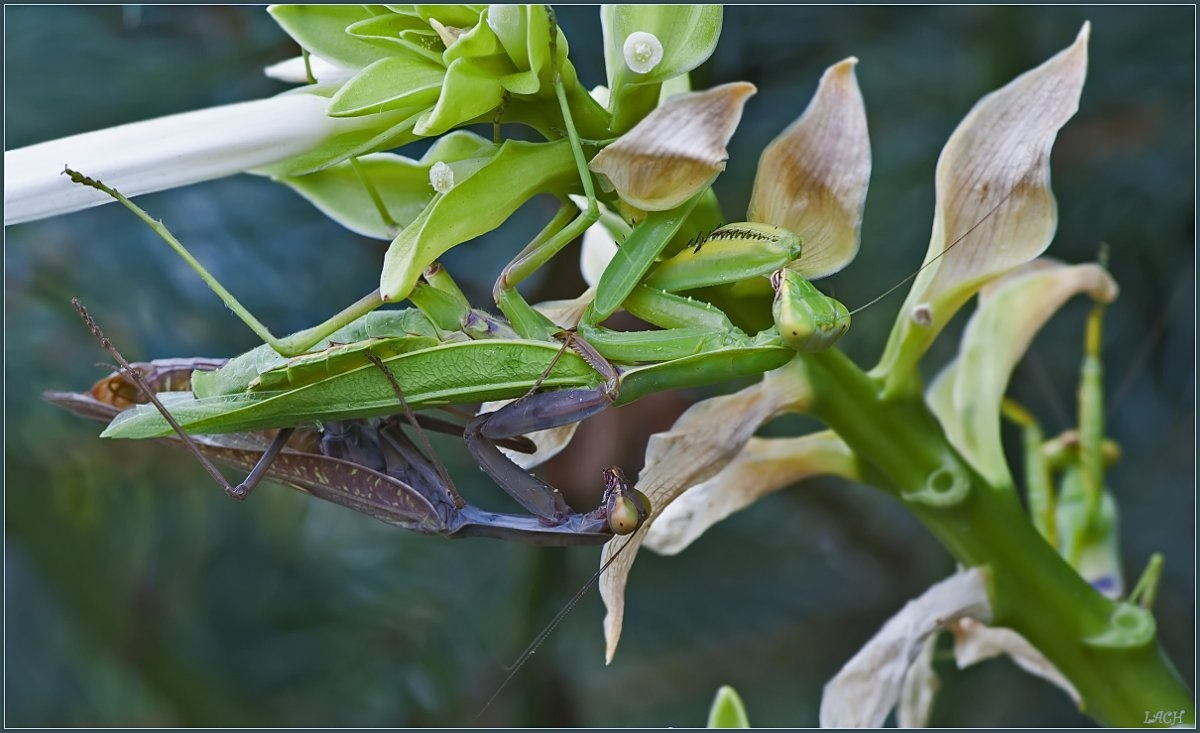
474,206
340,193
386,27
479,41
403,184
405,33
524,32
687,35
395,82
321,29
458,16
727,710
471,88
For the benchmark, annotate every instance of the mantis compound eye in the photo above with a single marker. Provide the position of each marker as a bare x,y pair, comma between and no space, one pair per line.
627,513
627,507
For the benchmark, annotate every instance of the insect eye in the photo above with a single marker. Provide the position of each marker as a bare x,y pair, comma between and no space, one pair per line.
622,515
627,512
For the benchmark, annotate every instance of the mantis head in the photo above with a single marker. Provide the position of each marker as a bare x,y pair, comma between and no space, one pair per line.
807,319
627,507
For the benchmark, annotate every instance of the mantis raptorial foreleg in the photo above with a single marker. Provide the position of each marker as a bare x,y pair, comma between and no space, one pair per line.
805,319
623,507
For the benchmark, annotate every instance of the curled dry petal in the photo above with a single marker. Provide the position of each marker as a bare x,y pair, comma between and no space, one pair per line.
812,179
966,396
676,150
763,466
920,685
702,441
1000,157
995,209
976,642
869,686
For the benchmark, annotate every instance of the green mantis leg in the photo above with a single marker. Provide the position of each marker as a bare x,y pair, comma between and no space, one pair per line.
805,319
1039,486
556,236
385,216
292,345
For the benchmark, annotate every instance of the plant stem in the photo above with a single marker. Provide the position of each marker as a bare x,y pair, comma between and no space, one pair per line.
1117,666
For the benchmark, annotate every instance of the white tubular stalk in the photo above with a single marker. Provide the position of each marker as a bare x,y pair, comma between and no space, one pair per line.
163,153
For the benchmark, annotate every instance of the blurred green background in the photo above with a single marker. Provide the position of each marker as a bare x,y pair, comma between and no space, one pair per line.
138,595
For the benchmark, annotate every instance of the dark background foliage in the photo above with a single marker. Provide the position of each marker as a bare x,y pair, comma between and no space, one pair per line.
137,594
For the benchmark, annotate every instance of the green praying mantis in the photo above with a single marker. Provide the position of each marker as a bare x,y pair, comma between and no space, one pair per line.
443,352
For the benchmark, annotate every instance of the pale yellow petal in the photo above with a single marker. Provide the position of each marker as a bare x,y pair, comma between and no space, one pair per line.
676,150
599,247
920,685
975,641
994,209
765,465
966,396
812,179
869,686
996,170
702,441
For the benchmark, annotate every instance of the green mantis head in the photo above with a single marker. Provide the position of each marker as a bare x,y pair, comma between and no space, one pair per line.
807,319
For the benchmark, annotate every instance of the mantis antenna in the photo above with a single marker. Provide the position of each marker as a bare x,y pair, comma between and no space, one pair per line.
550,627
238,492
938,256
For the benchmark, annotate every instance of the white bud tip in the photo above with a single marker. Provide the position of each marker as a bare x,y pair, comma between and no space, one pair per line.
601,95
922,315
441,177
643,51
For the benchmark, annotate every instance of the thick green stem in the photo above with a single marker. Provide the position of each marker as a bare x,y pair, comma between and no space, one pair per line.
1108,650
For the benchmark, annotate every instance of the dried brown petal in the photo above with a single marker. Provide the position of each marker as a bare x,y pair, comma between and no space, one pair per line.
812,179
765,465
676,150
702,441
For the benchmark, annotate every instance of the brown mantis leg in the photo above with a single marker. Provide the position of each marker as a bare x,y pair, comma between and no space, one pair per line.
625,507
256,475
